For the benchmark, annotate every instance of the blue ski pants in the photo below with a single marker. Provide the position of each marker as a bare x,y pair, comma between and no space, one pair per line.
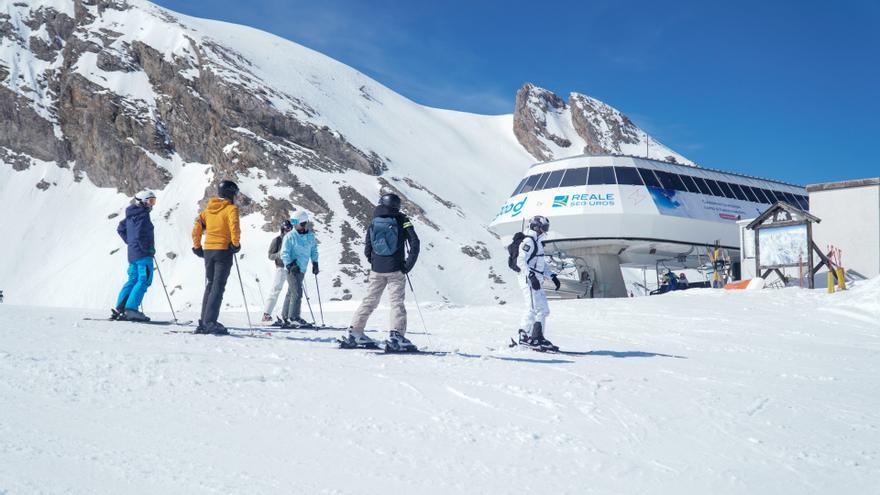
140,276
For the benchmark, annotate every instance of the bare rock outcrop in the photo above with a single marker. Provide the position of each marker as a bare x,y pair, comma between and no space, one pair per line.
533,104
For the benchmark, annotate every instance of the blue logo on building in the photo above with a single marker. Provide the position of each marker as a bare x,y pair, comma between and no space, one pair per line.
560,201
514,208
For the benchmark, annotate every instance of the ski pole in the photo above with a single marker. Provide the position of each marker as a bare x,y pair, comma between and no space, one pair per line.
320,306
161,279
308,302
416,300
241,283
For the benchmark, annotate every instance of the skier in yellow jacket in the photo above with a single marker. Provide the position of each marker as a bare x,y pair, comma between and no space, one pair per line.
220,224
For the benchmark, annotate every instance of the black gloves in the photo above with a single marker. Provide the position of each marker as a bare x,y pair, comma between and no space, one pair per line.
533,280
199,252
293,268
555,280
234,248
315,267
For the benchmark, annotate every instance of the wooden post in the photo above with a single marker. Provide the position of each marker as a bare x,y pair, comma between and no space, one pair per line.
801,271
811,282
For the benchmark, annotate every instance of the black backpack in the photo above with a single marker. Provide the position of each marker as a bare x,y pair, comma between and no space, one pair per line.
513,251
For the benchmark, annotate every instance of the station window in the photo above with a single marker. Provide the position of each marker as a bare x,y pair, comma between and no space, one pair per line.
805,202
575,177
649,177
553,180
601,175
628,175
670,181
541,181
790,199
704,187
519,187
762,198
530,183
750,194
725,189
772,195
716,189
690,184
737,191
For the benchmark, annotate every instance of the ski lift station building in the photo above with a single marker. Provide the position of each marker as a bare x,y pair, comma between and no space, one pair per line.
610,211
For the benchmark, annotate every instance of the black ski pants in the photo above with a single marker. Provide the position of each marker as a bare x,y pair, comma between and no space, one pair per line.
218,264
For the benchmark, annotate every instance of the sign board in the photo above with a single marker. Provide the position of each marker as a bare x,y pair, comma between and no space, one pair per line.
786,245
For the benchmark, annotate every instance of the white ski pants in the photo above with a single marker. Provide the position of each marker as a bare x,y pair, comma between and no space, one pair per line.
275,291
537,308
396,283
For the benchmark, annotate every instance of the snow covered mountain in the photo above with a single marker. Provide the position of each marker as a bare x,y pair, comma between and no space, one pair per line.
550,129
100,98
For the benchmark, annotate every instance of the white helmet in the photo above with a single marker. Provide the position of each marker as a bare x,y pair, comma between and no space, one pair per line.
299,217
144,195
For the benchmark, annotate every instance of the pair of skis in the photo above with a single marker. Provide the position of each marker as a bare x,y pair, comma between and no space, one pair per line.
534,347
374,346
307,326
148,322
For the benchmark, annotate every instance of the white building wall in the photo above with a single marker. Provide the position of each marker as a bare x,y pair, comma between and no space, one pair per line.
850,221
746,250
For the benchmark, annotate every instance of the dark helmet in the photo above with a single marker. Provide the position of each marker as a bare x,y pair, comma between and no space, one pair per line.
539,224
390,200
227,190
286,226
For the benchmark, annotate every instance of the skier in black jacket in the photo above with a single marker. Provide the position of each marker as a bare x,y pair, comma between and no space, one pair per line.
387,238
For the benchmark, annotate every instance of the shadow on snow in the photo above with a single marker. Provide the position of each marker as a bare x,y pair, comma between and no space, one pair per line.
632,354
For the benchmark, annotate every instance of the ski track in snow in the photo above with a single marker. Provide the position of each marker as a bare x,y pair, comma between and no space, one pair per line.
681,393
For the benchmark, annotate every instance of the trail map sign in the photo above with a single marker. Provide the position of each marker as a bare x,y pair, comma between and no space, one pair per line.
784,238
783,246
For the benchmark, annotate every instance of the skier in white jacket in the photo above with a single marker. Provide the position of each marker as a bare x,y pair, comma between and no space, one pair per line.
535,270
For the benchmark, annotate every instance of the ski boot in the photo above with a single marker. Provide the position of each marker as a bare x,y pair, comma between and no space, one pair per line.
134,315
538,341
117,313
523,337
216,328
278,322
200,329
301,323
267,318
398,343
355,340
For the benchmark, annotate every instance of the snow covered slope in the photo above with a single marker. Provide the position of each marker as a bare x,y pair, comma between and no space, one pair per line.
131,95
101,98
694,392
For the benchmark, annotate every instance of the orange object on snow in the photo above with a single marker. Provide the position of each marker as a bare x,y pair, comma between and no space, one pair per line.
740,284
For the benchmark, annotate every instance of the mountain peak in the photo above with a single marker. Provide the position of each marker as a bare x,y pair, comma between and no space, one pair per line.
549,128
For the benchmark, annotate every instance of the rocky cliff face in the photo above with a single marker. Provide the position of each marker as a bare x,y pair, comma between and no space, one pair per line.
550,128
186,104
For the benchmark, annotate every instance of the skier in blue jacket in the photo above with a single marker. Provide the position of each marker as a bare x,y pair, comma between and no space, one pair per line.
137,232
298,248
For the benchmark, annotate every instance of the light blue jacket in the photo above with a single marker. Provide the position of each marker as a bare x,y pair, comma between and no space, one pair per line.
300,248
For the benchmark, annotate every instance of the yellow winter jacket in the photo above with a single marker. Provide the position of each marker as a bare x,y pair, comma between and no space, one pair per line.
219,222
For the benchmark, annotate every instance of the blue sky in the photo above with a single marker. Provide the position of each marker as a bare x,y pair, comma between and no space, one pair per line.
785,90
